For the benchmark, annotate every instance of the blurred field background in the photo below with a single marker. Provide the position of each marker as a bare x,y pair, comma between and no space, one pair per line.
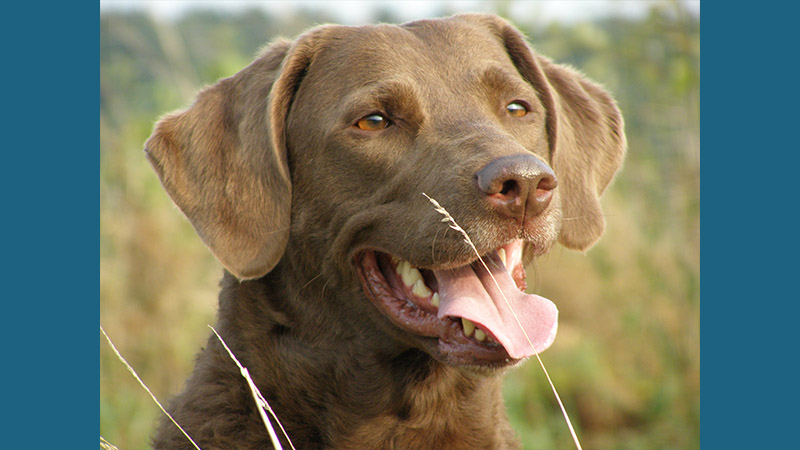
626,360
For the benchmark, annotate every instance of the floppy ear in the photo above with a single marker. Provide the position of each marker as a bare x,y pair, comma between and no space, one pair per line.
585,132
590,147
223,161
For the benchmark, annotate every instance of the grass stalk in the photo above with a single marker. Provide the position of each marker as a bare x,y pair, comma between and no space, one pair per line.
261,402
105,445
135,375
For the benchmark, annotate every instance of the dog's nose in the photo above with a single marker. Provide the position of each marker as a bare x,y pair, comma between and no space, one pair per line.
517,185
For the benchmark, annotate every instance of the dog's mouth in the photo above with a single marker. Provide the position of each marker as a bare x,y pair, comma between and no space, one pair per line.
468,315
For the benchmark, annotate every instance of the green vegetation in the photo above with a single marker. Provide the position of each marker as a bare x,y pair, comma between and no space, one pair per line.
627,358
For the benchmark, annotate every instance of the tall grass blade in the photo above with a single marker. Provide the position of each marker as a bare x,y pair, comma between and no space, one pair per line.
105,445
452,222
135,375
263,405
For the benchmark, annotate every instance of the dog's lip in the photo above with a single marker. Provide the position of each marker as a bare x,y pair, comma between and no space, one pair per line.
444,337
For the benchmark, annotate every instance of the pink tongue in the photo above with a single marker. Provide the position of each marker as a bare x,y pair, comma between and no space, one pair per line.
470,292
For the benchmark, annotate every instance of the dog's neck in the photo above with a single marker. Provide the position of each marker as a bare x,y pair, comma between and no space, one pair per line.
373,391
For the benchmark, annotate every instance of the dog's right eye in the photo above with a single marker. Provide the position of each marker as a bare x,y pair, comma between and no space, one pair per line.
373,122
517,108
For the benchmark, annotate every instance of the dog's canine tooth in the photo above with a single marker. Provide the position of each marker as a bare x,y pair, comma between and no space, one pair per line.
435,299
502,253
480,335
410,275
469,327
402,268
420,290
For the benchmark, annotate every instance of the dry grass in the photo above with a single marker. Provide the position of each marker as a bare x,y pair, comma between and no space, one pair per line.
105,445
261,402
136,375
263,406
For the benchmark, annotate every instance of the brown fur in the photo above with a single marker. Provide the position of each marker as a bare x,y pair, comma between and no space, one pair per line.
280,186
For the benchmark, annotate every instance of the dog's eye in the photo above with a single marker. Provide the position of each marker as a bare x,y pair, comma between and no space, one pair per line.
373,122
517,109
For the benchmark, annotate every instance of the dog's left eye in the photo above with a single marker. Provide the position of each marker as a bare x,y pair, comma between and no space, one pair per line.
517,109
373,122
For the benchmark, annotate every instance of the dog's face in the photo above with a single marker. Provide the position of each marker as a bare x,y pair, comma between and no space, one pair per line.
321,152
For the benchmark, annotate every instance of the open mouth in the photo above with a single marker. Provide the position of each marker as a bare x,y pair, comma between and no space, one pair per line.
468,314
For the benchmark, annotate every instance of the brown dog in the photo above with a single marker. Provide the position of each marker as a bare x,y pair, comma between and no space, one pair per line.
364,319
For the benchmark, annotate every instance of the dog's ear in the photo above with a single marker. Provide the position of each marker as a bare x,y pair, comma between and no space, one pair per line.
590,147
223,160
584,129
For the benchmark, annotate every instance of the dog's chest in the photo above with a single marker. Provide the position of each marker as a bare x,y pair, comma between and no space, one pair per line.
443,415
391,433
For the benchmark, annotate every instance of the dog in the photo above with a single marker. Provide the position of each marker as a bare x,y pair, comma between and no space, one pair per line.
335,178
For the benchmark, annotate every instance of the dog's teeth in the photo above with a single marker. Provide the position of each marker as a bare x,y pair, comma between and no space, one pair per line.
480,335
502,253
402,269
435,299
469,327
420,290
410,275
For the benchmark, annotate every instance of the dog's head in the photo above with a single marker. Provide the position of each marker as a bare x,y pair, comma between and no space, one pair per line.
323,148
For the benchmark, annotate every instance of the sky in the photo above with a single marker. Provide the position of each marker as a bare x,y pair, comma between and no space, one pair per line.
357,12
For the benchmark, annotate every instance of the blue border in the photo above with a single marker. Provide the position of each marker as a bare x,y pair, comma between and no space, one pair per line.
50,191
749,230
50,183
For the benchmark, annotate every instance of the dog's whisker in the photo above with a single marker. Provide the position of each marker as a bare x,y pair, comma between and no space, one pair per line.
322,292
448,218
135,375
263,405
278,230
405,236
433,248
306,285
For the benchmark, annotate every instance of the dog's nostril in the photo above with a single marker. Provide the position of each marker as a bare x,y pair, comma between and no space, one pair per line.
509,186
544,188
546,183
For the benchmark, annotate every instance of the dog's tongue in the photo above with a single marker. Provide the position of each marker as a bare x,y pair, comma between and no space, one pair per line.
470,292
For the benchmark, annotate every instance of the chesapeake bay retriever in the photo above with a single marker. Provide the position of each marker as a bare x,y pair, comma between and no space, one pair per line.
364,319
